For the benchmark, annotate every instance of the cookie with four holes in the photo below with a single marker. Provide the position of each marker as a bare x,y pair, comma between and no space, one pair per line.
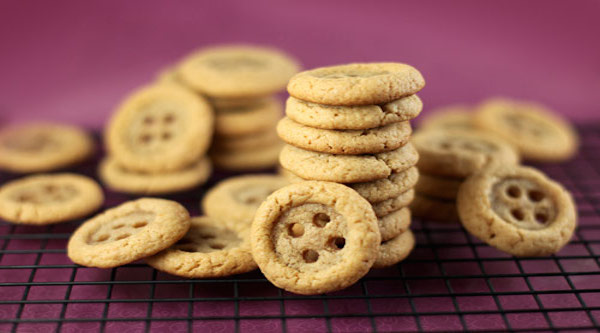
347,168
536,132
237,71
160,128
453,117
356,84
314,237
123,234
208,249
353,117
460,153
39,147
120,179
234,201
517,210
50,198
346,142
395,250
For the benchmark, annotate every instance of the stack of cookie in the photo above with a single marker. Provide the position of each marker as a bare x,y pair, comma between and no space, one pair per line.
157,141
350,124
447,158
240,82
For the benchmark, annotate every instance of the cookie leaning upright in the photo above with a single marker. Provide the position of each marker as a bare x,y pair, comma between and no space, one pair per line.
350,124
240,82
314,237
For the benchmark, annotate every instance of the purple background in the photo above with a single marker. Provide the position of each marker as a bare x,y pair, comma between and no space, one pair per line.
74,60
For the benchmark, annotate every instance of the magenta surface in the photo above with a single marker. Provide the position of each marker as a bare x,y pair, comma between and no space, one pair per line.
75,60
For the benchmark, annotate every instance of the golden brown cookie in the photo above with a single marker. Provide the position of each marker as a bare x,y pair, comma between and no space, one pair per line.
120,179
258,158
314,237
435,209
453,117
395,250
248,120
389,206
41,147
394,223
160,128
50,198
353,117
245,142
459,153
438,187
347,168
237,71
241,102
123,234
536,132
517,210
346,142
356,84
234,201
209,249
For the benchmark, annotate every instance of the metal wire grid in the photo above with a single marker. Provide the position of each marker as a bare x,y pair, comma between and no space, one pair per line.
451,282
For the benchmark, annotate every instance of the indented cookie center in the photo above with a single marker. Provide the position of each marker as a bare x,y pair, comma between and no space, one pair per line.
523,203
350,74
522,124
253,195
155,127
121,227
47,193
205,239
310,237
236,63
31,142
451,143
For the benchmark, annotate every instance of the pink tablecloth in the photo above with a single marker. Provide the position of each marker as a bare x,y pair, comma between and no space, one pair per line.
74,60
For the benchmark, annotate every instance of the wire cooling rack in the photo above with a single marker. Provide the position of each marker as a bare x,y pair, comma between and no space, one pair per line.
451,282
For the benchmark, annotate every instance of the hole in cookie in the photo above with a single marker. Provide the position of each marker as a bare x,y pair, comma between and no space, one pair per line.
513,191
166,136
310,256
541,218
146,138
102,238
140,224
169,119
207,236
337,243
25,198
535,196
217,246
188,248
517,214
295,230
118,226
492,236
445,145
122,236
252,200
184,241
148,120
321,219
50,188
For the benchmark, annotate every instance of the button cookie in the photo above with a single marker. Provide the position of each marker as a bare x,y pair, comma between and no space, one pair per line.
250,141
235,71
42,147
353,117
46,199
454,117
120,179
251,159
395,250
347,142
391,205
160,128
517,210
126,233
435,209
207,250
394,223
347,168
314,237
438,187
377,190
234,201
460,154
536,132
356,84
229,103
248,120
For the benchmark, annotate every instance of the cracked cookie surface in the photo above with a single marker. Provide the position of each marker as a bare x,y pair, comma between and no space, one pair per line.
51,198
315,237
518,210
208,249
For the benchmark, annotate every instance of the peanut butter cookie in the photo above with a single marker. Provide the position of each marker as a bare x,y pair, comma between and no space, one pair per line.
395,250
247,120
